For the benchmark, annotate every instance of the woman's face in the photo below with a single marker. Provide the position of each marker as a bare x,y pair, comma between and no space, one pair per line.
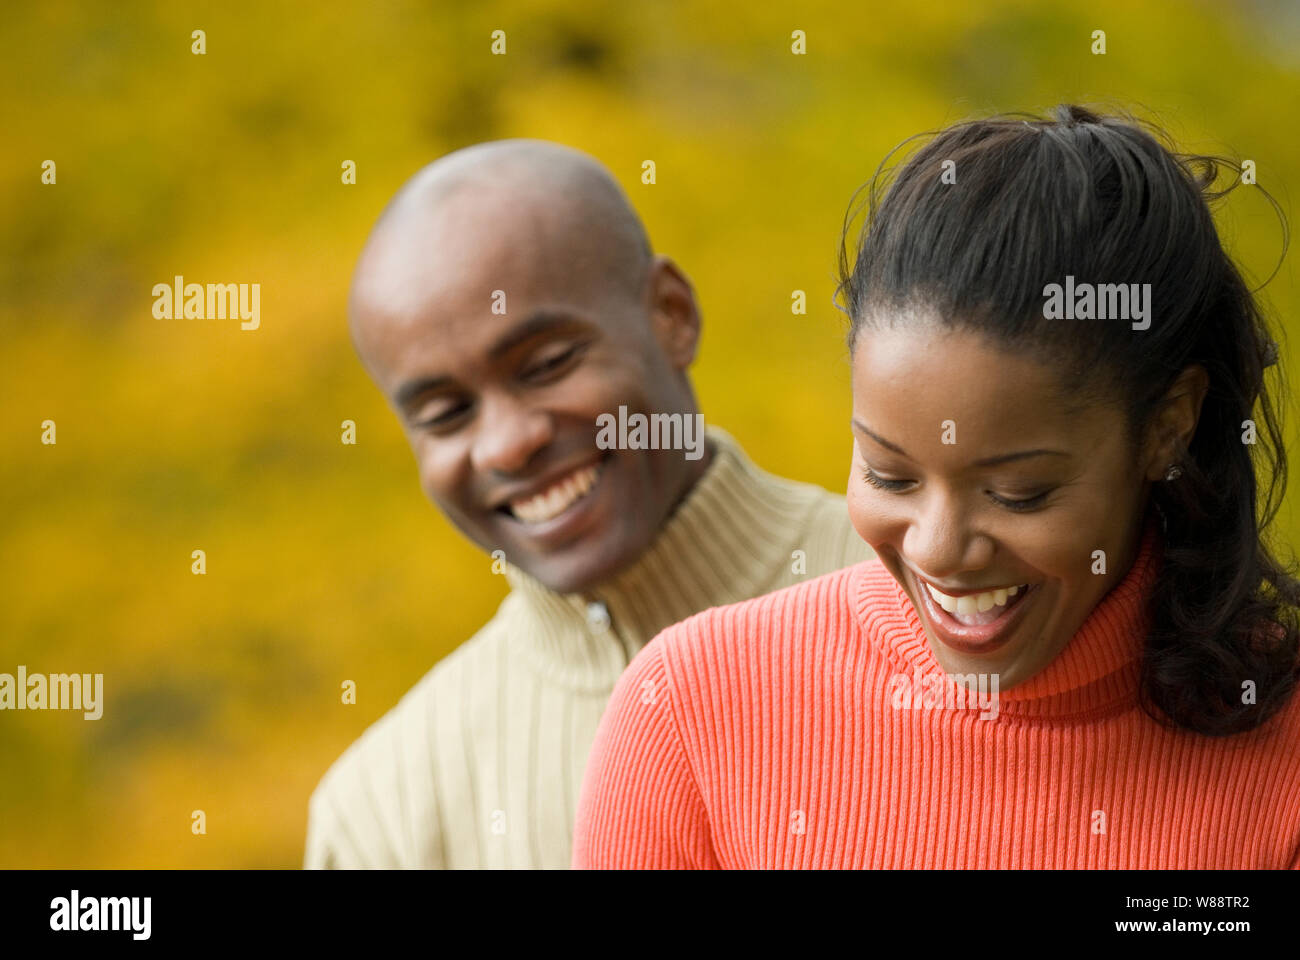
984,482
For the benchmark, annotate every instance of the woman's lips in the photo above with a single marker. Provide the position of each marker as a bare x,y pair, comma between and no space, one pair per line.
968,638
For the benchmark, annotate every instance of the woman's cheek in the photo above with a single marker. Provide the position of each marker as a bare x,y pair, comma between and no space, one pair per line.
865,513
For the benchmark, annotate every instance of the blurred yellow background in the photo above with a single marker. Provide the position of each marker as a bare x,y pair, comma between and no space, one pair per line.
324,562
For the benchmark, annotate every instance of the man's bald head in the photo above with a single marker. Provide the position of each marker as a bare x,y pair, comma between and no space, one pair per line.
506,302
592,233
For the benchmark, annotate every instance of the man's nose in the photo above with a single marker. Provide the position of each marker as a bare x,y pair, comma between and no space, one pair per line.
509,432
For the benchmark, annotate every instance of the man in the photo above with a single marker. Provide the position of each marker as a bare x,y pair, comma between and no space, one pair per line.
505,303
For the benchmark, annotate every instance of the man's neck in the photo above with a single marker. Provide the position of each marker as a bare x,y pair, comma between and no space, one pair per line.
698,469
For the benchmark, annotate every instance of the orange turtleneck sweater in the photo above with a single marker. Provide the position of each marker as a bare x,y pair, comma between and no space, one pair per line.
769,733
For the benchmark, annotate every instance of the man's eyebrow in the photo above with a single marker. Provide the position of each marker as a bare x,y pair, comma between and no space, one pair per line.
986,462
538,322
413,388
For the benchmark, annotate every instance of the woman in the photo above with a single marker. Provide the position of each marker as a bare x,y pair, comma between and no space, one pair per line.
1074,649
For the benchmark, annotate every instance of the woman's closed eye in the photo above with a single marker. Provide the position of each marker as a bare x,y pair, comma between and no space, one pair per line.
883,483
898,486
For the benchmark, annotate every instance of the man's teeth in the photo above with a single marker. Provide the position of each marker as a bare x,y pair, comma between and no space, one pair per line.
558,498
975,602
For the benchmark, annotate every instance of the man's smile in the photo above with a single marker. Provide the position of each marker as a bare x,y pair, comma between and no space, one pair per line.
550,497
560,508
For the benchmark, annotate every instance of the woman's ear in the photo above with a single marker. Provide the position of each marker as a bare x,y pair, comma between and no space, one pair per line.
1174,425
675,316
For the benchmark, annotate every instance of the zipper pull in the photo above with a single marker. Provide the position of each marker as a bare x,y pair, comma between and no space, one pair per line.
597,616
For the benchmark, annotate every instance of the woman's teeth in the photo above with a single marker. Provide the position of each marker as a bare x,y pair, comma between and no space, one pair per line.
968,609
559,497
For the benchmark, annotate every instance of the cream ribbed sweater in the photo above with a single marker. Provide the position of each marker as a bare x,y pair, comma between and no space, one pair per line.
481,763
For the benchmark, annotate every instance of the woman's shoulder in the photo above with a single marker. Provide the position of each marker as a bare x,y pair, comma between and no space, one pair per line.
751,655
792,614
1279,737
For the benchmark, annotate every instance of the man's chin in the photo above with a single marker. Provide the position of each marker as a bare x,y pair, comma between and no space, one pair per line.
563,571
578,568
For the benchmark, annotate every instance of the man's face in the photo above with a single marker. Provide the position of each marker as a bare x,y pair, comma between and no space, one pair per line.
937,514
501,408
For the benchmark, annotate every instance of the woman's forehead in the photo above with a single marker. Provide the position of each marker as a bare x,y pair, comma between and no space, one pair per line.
915,379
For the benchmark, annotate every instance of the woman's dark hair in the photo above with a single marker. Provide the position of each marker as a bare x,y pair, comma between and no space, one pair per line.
1027,201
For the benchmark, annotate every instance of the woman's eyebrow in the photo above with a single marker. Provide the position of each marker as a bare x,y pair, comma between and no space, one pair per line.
986,462
1018,455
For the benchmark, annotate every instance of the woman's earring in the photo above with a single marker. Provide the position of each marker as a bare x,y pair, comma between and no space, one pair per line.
1174,472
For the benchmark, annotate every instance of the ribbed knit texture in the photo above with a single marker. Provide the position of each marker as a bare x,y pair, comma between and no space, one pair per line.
764,734
481,763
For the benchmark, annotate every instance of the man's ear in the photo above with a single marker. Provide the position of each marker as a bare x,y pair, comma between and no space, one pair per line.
674,314
1175,422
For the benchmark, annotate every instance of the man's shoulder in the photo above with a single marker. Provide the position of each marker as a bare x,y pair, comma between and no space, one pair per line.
374,756
813,497
828,540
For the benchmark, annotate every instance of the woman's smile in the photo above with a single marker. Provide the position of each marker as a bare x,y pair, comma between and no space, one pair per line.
972,622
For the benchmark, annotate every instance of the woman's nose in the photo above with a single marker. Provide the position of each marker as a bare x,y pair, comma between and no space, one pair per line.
941,544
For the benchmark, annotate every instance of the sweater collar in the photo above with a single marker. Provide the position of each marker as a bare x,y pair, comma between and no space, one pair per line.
1096,673
726,540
